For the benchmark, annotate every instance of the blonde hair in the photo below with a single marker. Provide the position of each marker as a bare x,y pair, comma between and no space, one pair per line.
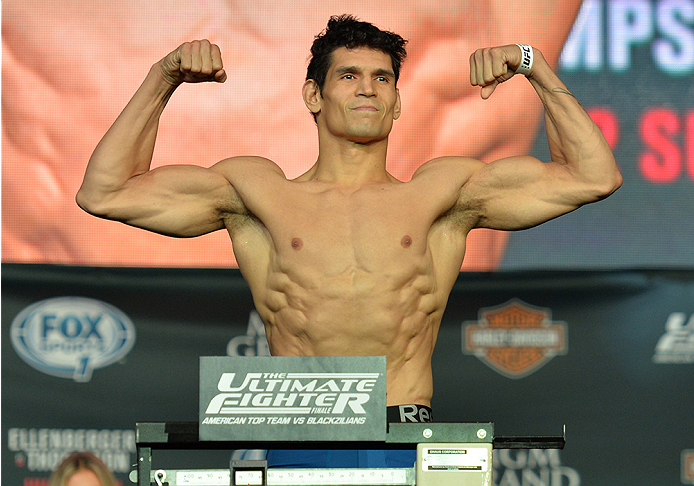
82,460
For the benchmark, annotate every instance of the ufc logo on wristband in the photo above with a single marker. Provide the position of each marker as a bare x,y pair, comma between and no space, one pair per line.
527,62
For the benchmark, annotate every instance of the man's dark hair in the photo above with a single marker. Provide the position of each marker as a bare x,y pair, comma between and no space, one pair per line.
347,31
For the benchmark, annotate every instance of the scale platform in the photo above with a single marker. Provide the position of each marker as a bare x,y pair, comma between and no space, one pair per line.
450,467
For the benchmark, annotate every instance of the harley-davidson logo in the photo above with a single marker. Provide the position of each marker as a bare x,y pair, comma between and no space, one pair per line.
515,338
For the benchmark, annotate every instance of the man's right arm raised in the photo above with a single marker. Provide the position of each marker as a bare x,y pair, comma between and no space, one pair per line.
176,200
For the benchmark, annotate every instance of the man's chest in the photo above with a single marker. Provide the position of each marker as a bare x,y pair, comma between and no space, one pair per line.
357,232
318,230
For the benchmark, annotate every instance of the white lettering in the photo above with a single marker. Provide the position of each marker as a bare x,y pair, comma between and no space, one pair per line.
677,344
282,400
216,404
366,385
226,380
46,448
262,400
278,420
543,458
630,24
81,439
348,384
585,44
310,386
533,478
676,54
570,474
329,385
306,398
325,399
611,29
509,479
353,400
534,467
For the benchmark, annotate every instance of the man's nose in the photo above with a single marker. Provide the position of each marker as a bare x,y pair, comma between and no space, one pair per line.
366,87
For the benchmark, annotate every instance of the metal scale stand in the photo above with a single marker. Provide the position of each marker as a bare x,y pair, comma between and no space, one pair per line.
448,454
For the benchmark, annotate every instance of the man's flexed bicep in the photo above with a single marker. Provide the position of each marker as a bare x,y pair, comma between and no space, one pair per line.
517,193
174,200
118,183
521,192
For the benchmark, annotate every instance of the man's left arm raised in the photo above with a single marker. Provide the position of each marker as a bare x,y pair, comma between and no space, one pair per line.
521,192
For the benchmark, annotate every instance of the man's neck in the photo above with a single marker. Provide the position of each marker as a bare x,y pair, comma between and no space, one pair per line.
350,163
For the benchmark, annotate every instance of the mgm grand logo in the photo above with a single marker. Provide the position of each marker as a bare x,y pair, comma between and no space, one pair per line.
292,394
515,339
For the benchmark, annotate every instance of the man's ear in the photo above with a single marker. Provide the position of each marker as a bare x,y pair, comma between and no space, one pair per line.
312,97
397,110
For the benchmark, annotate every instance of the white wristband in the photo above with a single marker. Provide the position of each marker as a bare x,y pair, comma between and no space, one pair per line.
527,62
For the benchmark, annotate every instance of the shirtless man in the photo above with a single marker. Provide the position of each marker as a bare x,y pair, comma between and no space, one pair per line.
346,259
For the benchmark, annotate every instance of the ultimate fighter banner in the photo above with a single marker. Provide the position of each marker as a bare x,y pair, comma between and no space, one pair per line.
88,352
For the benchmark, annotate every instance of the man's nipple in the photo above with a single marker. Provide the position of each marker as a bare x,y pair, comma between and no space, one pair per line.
406,241
297,243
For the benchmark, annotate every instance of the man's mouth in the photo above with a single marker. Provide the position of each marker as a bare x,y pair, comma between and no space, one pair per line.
365,108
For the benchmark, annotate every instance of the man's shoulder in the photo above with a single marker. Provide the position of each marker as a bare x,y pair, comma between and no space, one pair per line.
247,166
444,181
254,182
453,169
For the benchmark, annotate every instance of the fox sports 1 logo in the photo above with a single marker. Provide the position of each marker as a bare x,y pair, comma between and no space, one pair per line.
70,337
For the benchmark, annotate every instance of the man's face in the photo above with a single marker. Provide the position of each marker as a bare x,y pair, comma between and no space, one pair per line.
359,100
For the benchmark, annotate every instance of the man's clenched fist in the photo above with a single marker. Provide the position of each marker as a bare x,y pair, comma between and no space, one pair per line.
194,62
493,65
